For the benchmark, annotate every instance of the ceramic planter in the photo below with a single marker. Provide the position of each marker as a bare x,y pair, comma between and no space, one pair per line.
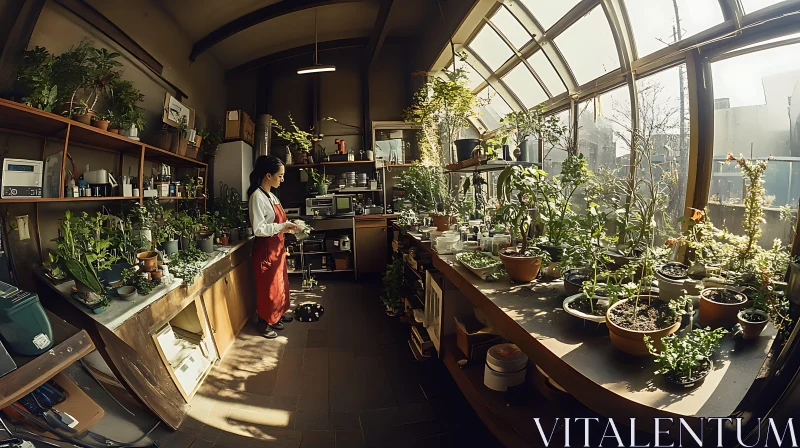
205,242
521,269
632,341
442,222
114,131
668,272
149,260
322,189
186,243
752,329
716,314
579,314
573,280
223,240
465,148
101,124
85,118
170,247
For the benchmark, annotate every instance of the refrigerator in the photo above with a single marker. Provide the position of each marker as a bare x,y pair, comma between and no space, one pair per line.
232,167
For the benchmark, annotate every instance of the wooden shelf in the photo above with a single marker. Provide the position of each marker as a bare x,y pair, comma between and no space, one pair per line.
510,424
351,162
481,164
175,198
322,271
17,118
82,199
71,344
302,165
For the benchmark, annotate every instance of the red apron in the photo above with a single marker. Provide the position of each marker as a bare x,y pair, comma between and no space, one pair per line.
272,278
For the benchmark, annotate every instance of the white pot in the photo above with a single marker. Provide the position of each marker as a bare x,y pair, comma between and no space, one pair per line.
576,313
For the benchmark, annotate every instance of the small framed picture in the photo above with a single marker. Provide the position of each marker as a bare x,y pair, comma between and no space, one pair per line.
174,110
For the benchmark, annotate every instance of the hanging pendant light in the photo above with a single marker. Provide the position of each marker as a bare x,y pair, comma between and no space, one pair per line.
317,67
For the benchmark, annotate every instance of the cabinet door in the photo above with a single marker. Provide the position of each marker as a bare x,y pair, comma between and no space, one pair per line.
241,295
215,301
371,247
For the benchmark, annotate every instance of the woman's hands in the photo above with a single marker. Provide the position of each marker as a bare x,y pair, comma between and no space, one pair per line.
290,227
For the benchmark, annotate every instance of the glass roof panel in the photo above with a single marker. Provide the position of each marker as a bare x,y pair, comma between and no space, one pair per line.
768,41
589,46
510,27
547,12
524,85
754,5
490,47
653,21
603,131
547,73
495,109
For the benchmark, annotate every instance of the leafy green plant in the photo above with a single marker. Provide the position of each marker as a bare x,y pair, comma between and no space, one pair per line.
408,218
186,225
142,216
293,134
681,356
190,184
428,189
212,221
125,243
392,282
132,277
82,250
555,196
316,177
208,147
72,71
187,264
36,81
165,229
443,103
533,123
124,104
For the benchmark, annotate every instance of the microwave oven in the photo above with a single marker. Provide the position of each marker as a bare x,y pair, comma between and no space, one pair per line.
331,205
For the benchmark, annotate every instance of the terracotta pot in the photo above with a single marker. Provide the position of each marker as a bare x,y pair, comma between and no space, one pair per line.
114,131
157,274
101,124
521,269
149,260
719,315
85,118
752,330
443,223
223,240
632,341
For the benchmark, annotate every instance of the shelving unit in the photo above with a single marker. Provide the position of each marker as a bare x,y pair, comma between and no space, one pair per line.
481,164
19,119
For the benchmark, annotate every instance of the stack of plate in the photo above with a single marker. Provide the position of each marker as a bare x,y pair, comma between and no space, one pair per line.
362,179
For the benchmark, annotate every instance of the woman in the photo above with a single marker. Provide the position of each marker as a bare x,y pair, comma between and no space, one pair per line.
269,255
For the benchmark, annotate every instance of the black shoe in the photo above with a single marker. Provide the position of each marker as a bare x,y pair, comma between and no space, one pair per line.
265,330
276,326
286,319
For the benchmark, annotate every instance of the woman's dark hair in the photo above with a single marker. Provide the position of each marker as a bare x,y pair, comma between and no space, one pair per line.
264,165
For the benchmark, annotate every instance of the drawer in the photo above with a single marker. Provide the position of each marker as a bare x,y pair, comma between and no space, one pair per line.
370,223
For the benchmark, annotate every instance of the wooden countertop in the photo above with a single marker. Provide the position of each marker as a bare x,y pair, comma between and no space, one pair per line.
119,311
368,217
583,360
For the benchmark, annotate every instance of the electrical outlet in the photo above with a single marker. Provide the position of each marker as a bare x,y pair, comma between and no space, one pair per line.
22,227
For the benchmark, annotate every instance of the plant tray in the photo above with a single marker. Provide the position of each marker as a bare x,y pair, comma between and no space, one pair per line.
95,307
482,273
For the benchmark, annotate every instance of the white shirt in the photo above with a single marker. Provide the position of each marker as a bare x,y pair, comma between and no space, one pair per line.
262,214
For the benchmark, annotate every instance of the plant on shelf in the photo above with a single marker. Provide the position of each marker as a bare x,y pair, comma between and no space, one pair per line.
188,264
231,210
686,359
124,105
187,226
82,250
165,230
190,183
124,243
442,107
298,139
35,79
72,72
528,123
320,180
428,189
392,283
408,219
142,221
208,147
212,222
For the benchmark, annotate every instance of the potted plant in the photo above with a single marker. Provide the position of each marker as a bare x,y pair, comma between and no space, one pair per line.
124,107
166,234
205,238
686,360
188,228
298,141
518,197
428,189
232,214
100,121
320,181
208,147
188,264
139,280
81,251
142,220
444,103
124,246
71,71
180,140
637,316
35,79
533,123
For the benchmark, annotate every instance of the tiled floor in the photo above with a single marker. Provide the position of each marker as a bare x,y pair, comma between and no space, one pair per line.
348,380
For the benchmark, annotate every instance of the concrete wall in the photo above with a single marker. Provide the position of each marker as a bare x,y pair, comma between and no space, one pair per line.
146,23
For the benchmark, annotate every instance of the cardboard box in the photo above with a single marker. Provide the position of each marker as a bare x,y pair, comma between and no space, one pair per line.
239,126
472,338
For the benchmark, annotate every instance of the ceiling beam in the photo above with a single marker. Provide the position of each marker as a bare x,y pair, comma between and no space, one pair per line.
254,18
295,52
379,31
